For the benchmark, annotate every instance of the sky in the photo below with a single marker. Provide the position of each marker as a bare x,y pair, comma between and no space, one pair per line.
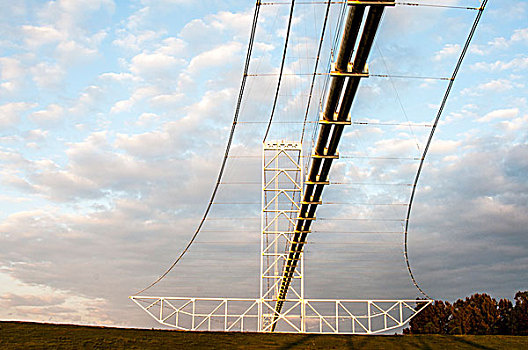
114,117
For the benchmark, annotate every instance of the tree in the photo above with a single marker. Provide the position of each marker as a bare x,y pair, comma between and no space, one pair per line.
504,324
459,323
431,320
477,314
520,314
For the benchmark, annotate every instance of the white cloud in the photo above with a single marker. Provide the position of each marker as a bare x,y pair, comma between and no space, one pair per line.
36,36
135,42
12,72
516,64
236,22
168,100
147,144
445,147
506,113
499,85
52,114
173,46
138,95
233,25
37,135
448,50
72,16
38,302
223,54
10,113
93,162
467,112
11,68
147,118
264,47
65,186
67,27
138,18
47,76
155,65
119,77
515,124
10,300
520,35
194,30
477,49
122,106
393,147
496,86
499,43
87,101
72,51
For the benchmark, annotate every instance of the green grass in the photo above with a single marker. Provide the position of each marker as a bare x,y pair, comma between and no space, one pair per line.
26,335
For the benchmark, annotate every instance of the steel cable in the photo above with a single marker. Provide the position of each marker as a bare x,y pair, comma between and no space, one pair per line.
433,129
308,104
226,154
281,70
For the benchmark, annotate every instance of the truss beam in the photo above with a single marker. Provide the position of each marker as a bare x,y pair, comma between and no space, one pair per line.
345,316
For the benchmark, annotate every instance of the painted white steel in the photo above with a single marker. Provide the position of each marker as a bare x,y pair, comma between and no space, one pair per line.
280,209
334,320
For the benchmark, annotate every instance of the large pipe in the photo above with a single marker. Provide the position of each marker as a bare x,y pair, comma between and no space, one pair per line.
369,32
330,135
348,41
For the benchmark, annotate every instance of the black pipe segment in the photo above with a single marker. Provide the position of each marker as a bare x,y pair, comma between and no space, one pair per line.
330,135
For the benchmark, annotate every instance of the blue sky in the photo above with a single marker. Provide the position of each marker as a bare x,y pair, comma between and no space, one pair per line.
114,116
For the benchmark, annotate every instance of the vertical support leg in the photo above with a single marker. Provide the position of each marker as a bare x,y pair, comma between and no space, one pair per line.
282,187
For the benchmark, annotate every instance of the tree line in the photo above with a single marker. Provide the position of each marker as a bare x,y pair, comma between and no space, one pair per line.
477,314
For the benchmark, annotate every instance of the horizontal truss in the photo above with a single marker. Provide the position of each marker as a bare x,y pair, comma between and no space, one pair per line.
345,316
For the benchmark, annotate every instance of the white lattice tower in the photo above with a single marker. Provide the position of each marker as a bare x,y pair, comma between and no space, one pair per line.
282,184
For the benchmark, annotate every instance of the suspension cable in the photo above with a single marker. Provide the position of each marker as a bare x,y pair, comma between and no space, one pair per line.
433,129
226,154
281,70
315,70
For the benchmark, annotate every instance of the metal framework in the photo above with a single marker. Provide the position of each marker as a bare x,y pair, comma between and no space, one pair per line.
282,174
345,316
282,190
289,204
362,23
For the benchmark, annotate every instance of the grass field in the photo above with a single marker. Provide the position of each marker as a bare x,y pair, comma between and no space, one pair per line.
26,335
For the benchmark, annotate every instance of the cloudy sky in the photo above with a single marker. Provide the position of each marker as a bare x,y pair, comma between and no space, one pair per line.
114,116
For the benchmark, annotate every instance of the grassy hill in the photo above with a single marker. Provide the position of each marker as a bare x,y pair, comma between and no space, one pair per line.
26,335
